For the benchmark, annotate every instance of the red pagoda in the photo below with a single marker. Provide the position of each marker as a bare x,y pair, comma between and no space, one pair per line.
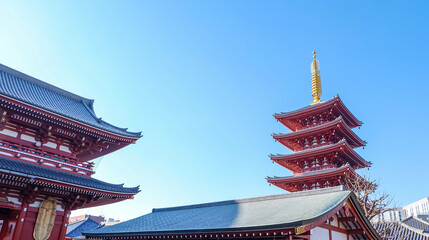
322,141
48,137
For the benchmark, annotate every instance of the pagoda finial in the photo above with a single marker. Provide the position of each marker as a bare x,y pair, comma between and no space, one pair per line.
316,83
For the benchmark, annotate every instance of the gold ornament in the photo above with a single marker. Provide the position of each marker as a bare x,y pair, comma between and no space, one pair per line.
316,83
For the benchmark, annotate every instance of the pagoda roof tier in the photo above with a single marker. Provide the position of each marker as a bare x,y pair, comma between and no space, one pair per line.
291,119
288,182
53,176
291,140
41,95
342,148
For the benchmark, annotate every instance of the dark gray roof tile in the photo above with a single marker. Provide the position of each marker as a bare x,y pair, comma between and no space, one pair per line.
286,210
32,170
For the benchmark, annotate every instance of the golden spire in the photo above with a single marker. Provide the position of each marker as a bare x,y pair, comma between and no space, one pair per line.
316,83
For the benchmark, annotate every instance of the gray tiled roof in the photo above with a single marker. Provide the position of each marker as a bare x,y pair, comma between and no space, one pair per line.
401,231
262,213
22,87
75,229
417,223
32,170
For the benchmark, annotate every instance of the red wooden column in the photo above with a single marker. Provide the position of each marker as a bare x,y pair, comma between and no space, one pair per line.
20,220
65,223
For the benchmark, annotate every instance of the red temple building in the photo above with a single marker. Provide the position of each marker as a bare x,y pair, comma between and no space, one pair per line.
48,137
322,141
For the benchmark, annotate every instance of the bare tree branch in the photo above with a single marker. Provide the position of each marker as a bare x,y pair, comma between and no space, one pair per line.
374,204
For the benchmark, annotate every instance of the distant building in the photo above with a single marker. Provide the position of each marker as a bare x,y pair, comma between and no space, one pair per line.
410,222
420,207
110,222
397,214
79,218
74,230
85,223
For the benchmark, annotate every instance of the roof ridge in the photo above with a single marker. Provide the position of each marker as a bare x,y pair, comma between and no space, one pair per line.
416,230
420,220
119,128
91,111
254,199
46,85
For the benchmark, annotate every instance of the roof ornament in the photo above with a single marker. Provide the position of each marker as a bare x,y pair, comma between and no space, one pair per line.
316,83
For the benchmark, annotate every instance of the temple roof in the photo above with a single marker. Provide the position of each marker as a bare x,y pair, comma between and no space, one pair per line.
24,88
75,230
286,118
45,173
402,228
261,213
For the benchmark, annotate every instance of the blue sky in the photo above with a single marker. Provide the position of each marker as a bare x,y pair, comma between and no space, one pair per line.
201,80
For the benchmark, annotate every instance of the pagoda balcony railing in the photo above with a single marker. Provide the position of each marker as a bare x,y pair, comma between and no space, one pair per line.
44,157
314,168
308,170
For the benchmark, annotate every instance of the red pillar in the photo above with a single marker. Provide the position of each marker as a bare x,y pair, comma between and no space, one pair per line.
20,220
64,224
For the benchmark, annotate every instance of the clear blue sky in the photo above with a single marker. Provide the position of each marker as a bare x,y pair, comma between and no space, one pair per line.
202,79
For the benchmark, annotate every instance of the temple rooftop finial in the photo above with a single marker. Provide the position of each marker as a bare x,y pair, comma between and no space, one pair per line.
316,84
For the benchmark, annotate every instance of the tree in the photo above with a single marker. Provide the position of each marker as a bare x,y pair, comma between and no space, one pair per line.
365,189
374,204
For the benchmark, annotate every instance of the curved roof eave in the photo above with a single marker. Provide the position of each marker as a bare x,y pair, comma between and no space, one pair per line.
322,127
332,200
312,174
31,170
28,90
344,111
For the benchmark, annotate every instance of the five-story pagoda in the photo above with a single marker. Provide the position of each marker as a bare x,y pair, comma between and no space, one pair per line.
322,142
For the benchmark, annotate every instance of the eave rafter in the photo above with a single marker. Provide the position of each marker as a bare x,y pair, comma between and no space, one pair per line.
87,145
4,118
31,187
313,180
261,234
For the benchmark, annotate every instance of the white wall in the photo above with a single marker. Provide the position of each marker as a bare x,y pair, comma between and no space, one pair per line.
338,236
318,233
420,207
